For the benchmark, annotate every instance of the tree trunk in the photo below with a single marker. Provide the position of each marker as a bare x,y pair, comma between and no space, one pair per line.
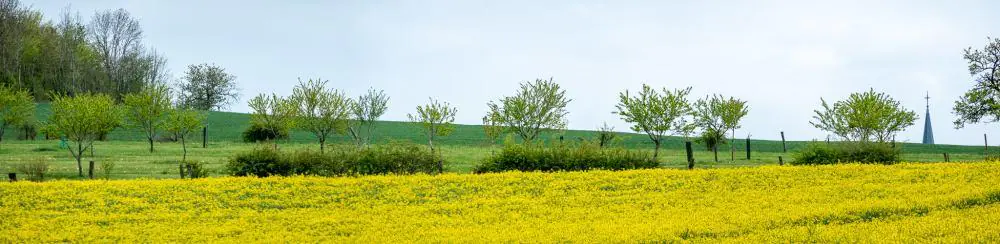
656,150
184,146
79,155
322,144
150,144
732,145
715,150
2,129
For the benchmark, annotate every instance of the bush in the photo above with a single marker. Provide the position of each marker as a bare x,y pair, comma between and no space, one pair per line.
34,169
569,157
394,159
257,133
107,167
260,162
337,161
195,169
867,153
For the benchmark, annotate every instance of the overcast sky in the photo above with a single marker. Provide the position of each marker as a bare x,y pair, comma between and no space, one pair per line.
780,56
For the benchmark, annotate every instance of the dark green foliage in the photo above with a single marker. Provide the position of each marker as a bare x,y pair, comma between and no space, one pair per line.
256,133
260,162
868,153
379,159
568,157
27,132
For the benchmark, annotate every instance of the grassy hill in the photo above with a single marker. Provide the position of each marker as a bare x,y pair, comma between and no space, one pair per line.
228,127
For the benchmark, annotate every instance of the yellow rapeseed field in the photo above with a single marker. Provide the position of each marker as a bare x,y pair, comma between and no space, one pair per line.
941,202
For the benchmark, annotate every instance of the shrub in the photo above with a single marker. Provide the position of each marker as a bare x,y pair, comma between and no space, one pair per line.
394,159
260,162
34,169
107,167
195,169
257,133
868,153
569,157
337,161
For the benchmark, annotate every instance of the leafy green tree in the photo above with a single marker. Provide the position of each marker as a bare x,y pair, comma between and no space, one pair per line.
712,138
147,110
538,106
864,117
656,114
492,128
365,112
181,122
735,110
16,108
716,115
275,113
82,119
980,104
208,87
436,118
321,111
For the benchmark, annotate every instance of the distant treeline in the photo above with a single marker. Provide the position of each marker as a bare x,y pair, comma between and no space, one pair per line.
102,54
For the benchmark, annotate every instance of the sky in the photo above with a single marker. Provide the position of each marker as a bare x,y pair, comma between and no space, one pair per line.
779,56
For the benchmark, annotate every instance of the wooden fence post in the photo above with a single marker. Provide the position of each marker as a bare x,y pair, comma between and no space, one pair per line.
783,148
204,137
986,147
946,159
12,177
690,154
748,148
781,161
90,171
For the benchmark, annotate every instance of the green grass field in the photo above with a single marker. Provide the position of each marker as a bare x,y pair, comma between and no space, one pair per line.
463,150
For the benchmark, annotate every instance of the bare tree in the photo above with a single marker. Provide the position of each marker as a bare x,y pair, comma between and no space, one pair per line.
72,35
117,37
207,87
12,28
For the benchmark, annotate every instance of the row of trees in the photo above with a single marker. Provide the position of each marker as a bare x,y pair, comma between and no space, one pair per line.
105,54
325,111
86,117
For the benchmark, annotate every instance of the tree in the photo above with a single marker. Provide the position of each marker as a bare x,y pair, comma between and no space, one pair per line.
436,118
492,127
275,113
716,115
365,112
864,117
117,37
147,110
980,104
181,122
321,111
207,87
712,138
735,110
16,108
656,114
538,106
82,119
605,135
13,28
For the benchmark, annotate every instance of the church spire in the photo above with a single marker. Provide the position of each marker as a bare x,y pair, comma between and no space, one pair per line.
928,132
